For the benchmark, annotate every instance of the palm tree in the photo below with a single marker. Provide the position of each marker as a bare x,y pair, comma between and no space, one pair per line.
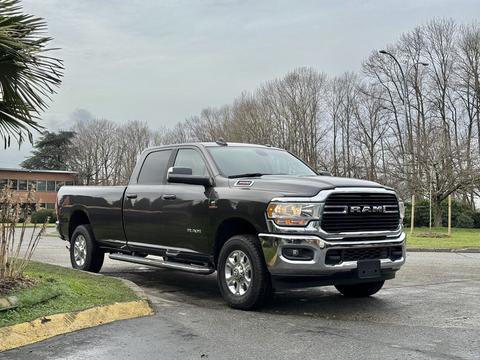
28,76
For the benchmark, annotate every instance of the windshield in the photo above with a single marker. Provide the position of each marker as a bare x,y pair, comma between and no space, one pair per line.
238,161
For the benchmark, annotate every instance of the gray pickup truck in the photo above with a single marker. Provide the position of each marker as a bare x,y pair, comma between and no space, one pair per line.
257,215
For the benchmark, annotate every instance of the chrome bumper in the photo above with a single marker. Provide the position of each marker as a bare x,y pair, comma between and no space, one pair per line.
273,244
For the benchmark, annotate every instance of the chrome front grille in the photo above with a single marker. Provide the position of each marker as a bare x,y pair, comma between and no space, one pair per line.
360,212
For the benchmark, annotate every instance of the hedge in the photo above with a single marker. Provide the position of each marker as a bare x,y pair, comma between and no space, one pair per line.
462,215
40,216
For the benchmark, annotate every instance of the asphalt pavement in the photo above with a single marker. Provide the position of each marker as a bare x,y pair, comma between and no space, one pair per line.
430,311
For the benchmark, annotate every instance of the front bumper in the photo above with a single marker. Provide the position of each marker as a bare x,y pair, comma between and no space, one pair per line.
279,265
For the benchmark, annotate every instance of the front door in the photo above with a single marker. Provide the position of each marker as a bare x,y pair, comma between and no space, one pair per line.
142,207
185,207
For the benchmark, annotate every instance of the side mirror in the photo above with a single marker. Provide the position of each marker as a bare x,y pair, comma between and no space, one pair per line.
324,173
183,175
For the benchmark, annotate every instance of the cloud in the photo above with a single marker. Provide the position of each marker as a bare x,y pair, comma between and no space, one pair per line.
164,61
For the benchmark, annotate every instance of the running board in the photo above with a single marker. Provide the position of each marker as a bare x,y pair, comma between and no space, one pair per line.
197,269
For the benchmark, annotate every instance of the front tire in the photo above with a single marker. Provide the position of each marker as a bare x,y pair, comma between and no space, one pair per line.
242,274
84,252
361,289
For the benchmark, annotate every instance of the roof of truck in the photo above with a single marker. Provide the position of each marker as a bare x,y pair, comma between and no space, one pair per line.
211,144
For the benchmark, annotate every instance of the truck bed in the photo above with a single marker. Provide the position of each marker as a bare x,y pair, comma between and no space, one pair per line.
103,205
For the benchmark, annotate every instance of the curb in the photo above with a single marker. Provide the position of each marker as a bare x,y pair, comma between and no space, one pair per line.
136,289
52,325
466,250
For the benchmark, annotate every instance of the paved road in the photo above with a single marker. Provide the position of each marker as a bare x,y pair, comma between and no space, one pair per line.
431,310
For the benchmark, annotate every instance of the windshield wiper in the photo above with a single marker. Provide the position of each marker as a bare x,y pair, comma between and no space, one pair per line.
247,175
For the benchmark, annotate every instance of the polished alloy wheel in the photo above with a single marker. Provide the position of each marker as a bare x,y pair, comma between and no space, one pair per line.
80,250
238,272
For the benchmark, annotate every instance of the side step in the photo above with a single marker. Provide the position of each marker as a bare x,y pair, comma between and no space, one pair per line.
197,269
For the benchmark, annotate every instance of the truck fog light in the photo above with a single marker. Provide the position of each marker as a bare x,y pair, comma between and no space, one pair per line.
299,254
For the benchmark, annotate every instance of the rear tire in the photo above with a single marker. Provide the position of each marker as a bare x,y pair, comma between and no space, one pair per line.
242,274
360,290
84,252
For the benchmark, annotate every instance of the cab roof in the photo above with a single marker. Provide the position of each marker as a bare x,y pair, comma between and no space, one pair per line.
211,144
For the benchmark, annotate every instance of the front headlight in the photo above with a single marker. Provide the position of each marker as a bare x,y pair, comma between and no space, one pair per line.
293,214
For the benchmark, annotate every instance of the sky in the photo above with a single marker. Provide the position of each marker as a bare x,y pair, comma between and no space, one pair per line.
163,61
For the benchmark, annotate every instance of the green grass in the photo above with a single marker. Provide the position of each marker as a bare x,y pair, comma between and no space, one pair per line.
61,290
459,239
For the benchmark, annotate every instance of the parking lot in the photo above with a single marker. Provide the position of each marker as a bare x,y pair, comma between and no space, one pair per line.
431,310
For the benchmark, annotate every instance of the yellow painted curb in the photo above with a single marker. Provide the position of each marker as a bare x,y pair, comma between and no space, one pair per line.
52,325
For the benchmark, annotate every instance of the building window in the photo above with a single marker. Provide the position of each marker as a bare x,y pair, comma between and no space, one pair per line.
3,183
69,183
22,185
50,206
51,185
13,184
41,185
60,184
32,185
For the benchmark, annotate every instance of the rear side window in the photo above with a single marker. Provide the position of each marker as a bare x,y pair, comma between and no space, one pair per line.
154,167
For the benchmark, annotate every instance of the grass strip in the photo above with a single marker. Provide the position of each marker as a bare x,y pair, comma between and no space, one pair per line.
459,239
59,290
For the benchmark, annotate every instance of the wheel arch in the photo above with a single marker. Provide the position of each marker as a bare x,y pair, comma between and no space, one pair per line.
230,227
78,217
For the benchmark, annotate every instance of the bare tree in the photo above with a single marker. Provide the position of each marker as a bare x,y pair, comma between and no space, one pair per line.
408,125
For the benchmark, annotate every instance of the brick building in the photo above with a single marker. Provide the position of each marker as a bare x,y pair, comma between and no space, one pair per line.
45,182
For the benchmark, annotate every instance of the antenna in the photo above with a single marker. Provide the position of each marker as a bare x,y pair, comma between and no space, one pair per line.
221,142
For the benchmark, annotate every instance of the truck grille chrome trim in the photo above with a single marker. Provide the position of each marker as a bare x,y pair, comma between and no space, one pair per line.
363,211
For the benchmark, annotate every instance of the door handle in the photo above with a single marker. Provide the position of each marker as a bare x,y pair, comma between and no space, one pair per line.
131,196
169,196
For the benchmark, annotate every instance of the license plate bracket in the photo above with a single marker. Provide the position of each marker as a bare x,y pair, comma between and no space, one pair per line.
368,269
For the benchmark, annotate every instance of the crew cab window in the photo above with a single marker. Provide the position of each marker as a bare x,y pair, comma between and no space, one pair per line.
191,159
154,167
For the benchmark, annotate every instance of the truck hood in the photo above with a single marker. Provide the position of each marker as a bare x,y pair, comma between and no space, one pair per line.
301,185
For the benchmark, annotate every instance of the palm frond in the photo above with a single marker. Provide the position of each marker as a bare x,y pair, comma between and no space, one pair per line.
28,76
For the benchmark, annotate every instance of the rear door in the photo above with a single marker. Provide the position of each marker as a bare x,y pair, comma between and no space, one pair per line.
142,207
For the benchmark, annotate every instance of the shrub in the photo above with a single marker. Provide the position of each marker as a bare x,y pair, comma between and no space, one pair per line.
421,214
461,214
16,249
464,221
476,219
40,216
